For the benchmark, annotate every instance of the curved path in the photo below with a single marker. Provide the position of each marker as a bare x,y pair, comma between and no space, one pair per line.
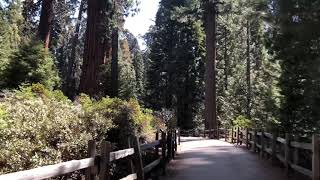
202,159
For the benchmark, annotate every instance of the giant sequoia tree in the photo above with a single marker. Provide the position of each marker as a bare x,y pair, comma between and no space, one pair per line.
45,24
210,73
96,47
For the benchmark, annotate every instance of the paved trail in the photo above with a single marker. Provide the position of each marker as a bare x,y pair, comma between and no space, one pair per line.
201,159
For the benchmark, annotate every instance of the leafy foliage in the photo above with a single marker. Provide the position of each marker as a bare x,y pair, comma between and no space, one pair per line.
242,54
242,122
295,43
127,76
10,34
41,127
32,63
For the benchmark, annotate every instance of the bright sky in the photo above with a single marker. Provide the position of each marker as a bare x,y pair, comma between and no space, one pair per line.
140,23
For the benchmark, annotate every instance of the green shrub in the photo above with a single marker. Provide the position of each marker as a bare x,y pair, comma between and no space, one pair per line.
40,127
39,131
242,122
127,116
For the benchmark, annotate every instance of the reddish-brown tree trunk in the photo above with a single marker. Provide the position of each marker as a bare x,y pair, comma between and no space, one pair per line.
210,73
96,48
45,24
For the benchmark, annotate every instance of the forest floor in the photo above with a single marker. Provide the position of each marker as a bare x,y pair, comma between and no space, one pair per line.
203,159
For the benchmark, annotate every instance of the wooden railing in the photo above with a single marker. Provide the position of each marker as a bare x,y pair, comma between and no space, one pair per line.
267,144
99,164
203,133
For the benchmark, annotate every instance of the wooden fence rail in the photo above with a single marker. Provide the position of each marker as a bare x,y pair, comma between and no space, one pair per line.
99,165
270,144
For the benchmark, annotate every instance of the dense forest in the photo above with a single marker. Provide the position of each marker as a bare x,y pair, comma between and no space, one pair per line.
70,72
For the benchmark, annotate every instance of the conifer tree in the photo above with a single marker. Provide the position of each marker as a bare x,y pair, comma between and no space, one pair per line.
175,74
296,45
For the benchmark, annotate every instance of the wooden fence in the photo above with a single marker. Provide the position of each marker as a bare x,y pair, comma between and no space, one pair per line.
203,133
98,165
283,149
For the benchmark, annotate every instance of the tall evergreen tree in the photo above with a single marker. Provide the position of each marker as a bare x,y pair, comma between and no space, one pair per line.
210,73
296,45
138,63
96,47
175,74
251,82
10,34
45,25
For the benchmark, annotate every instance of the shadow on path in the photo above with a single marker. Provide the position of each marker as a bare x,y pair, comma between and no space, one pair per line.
218,160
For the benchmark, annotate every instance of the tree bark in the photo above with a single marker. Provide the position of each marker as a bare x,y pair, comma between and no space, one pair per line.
70,87
97,47
226,61
248,73
45,24
115,63
210,72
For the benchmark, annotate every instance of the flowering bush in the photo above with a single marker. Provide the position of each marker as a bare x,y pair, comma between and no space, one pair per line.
40,127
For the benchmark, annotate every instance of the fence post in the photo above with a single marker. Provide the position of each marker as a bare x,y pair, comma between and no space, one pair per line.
262,143
157,138
105,148
254,146
89,172
247,138
169,145
179,136
163,151
274,147
176,140
173,144
296,151
130,163
238,135
315,157
287,153
231,135
138,159
225,134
